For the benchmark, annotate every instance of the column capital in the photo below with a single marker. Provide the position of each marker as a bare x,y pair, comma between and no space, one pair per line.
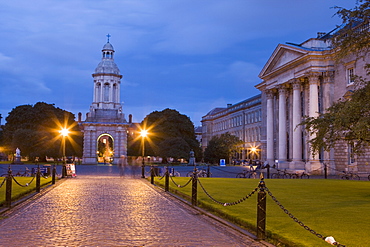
282,88
296,84
313,77
270,93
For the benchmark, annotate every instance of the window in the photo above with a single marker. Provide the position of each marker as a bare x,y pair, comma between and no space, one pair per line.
106,92
350,76
351,155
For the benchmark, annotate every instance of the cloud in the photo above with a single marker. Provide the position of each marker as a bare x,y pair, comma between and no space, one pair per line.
242,73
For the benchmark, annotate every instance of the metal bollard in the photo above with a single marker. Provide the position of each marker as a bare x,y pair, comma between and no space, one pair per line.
143,170
194,188
38,179
8,192
261,210
53,174
151,174
268,170
167,180
325,171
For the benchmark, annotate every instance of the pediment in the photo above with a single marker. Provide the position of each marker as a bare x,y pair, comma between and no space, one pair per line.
282,56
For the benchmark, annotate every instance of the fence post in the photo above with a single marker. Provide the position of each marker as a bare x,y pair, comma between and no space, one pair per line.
194,188
151,174
261,210
38,179
8,192
143,169
268,170
53,174
208,172
167,180
325,171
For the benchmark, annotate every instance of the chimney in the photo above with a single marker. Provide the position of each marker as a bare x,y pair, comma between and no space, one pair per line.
320,34
130,118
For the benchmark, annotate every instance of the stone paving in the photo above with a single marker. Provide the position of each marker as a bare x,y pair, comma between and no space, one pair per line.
112,211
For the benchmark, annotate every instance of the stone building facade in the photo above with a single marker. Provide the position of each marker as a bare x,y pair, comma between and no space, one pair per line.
242,120
303,80
105,127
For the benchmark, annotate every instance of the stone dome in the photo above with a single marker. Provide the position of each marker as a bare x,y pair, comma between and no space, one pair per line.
108,46
107,64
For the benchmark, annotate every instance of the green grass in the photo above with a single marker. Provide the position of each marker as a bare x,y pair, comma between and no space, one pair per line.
19,191
335,208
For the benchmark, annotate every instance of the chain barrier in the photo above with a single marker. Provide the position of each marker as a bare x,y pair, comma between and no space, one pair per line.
295,219
164,175
26,185
3,182
181,186
227,203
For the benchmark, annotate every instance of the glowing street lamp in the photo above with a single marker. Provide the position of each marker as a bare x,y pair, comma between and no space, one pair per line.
143,134
64,132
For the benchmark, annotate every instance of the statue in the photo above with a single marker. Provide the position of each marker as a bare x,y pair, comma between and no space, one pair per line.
192,158
17,152
17,159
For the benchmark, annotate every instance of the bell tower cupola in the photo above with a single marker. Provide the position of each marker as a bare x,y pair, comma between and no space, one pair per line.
107,86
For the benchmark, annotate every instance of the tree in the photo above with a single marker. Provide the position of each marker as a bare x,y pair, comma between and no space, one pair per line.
171,134
353,36
222,147
349,118
35,131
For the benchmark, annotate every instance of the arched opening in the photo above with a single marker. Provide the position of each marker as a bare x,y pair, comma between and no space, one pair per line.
105,150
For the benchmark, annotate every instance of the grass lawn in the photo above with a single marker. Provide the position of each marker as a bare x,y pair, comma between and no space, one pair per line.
19,191
337,208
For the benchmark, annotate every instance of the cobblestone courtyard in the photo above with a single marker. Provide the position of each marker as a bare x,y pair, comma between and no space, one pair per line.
112,211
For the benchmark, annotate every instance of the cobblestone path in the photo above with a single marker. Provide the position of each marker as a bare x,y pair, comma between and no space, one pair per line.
112,211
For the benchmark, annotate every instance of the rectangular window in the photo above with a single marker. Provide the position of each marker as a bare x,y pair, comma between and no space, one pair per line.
350,76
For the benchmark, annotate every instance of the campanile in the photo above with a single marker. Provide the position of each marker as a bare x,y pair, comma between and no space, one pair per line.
105,127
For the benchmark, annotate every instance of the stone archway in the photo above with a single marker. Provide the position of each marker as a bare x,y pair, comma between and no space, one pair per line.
105,149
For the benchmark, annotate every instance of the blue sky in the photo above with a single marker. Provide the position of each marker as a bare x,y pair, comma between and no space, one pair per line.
188,55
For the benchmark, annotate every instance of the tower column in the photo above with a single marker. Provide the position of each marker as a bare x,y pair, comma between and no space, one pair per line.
270,127
313,111
297,130
282,125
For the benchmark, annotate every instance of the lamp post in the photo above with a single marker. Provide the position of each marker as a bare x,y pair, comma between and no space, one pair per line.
143,134
64,132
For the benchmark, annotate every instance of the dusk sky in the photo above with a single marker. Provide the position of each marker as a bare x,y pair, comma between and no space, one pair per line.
188,55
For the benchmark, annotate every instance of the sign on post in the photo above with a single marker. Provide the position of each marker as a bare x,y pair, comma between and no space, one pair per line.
71,170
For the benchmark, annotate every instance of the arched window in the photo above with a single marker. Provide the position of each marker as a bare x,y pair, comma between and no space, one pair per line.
97,92
106,92
115,93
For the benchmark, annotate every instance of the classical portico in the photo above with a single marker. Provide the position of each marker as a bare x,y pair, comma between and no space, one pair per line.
105,127
295,78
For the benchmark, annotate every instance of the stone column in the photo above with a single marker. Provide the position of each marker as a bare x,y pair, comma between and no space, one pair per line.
328,86
282,125
270,127
296,120
314,164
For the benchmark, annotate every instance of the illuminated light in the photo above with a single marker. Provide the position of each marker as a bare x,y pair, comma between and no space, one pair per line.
64,132
143,133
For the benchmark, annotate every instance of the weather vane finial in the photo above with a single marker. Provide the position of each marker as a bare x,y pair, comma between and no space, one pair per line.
108,35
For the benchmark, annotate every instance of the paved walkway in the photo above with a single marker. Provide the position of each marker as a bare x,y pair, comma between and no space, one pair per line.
112,211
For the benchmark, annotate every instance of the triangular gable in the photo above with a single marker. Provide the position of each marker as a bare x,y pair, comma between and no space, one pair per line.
283,54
